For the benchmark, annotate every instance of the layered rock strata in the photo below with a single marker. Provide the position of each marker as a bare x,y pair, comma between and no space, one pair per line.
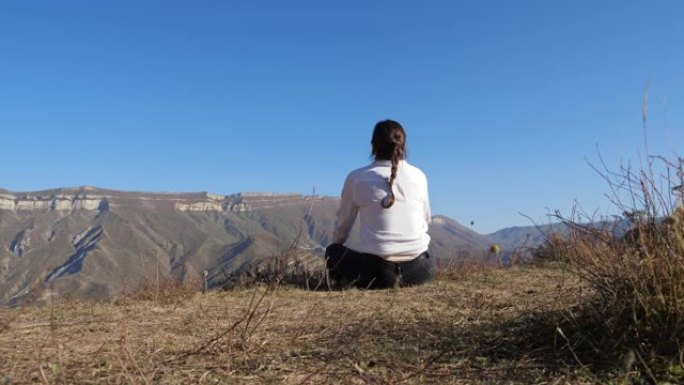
92,199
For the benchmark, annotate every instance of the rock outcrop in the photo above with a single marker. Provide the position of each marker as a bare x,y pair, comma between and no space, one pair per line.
94,199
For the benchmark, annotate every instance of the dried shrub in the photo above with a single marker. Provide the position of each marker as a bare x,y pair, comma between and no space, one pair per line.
636,277
554,249
289,269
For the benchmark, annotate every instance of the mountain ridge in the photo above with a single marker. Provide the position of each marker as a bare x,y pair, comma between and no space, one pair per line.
92,243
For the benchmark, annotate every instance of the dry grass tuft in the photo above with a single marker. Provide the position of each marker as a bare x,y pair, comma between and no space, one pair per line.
290,268
467,264
4,325
163,289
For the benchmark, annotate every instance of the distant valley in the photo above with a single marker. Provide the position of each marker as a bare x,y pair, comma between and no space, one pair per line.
91,243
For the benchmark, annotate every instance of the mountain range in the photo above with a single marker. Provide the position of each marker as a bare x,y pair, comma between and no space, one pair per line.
92,243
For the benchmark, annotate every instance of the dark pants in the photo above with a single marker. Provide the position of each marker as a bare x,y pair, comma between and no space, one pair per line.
369,271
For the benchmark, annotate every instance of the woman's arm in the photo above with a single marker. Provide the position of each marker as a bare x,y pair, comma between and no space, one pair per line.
346,214
426,203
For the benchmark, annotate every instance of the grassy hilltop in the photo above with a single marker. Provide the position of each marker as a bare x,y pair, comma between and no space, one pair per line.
474,324
479,327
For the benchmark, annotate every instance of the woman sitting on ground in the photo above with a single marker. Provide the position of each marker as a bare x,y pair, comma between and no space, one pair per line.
391,198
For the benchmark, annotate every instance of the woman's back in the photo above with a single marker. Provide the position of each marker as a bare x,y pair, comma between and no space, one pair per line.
399,232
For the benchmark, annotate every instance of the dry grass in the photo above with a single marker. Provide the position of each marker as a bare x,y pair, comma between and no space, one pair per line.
483,328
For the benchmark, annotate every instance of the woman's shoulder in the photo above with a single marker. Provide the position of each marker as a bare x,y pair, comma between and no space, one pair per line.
413,170
361,173
369,168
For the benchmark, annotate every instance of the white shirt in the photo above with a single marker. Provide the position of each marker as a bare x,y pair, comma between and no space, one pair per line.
398,233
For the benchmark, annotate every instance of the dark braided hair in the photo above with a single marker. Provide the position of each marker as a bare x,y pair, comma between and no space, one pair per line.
389,143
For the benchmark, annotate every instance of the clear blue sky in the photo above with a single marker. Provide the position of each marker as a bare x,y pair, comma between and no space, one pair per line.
502,100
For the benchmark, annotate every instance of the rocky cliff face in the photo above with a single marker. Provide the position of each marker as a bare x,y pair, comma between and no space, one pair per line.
93,199
56,202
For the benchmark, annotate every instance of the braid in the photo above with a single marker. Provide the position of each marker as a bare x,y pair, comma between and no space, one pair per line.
389,143
397,155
